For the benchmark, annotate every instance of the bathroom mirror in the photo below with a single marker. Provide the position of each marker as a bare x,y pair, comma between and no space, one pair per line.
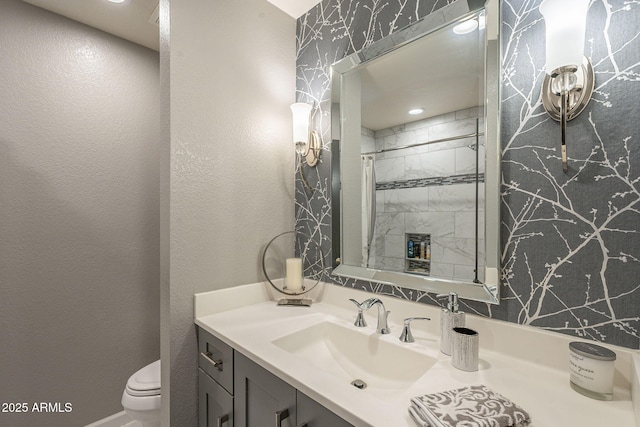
416,195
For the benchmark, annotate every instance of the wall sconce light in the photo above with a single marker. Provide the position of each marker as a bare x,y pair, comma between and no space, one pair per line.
568,85
307,142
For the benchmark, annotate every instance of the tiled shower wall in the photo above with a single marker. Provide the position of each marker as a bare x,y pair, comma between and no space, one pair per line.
570,250
444,208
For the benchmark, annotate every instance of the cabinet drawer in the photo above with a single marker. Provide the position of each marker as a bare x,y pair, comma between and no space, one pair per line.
216,404
216,359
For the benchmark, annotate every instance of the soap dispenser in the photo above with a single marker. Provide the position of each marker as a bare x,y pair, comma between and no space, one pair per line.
450,318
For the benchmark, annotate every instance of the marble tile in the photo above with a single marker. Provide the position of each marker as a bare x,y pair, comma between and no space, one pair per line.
394,246
441,269
380,197
407,200
404,135
454,251
423,131
378,246
472,112
440,224
367,132
390,169
438,163
390,223
454,198
448,130
389,263
450,145
405,152
381,133
466,160
379,142
367,141
465,225
466,273
432,121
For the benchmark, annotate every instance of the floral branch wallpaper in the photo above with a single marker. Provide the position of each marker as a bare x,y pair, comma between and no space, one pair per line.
570,243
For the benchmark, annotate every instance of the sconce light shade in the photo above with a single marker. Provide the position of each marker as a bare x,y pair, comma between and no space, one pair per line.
569,82
301,112
306,141
565,23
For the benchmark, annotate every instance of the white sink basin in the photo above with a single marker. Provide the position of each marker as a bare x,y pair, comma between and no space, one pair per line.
352,354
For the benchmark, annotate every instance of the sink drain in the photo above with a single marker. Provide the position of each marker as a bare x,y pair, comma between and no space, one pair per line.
359,384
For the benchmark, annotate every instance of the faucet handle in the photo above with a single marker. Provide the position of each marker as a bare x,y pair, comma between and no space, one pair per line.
360,322
406,335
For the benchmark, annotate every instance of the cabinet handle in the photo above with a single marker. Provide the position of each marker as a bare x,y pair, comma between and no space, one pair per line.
281,416
209,358
223,419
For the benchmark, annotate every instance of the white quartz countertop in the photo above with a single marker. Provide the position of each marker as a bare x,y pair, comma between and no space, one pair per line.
524,364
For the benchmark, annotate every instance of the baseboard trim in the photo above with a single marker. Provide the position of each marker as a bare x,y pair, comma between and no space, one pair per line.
115,420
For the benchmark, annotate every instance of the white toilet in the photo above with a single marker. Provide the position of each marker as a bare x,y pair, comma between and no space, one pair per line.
141,396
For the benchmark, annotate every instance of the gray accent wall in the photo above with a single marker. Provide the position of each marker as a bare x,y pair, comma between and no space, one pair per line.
79,216
569,242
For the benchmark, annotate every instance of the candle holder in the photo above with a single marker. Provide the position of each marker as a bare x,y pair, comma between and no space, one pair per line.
297,263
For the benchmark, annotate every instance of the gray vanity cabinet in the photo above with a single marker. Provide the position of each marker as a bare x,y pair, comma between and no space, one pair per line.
313,414
261,398
234,391
215,381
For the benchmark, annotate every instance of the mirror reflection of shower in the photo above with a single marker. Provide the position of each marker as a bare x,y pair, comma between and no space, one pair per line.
414,101
423,202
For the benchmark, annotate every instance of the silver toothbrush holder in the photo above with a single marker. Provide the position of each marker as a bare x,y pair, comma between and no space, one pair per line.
465,345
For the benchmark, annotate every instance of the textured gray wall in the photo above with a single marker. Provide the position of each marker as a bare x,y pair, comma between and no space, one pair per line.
570,247
232,79
79,246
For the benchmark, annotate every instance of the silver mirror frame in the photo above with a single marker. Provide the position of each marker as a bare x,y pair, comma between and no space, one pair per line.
489,291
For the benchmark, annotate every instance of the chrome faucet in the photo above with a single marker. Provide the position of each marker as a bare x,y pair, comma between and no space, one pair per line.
406,335
383,327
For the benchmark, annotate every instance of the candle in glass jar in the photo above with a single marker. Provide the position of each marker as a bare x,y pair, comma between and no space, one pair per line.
592,370
293,280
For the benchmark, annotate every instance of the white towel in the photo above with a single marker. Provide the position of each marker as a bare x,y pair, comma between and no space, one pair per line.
474,406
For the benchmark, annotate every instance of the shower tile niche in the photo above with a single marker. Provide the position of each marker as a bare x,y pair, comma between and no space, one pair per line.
429,190
418,256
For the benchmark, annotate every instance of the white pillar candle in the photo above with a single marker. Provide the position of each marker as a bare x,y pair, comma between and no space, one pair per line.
293,280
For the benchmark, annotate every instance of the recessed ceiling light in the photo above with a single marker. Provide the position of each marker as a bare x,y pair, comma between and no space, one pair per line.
117,1
466,27
415,111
